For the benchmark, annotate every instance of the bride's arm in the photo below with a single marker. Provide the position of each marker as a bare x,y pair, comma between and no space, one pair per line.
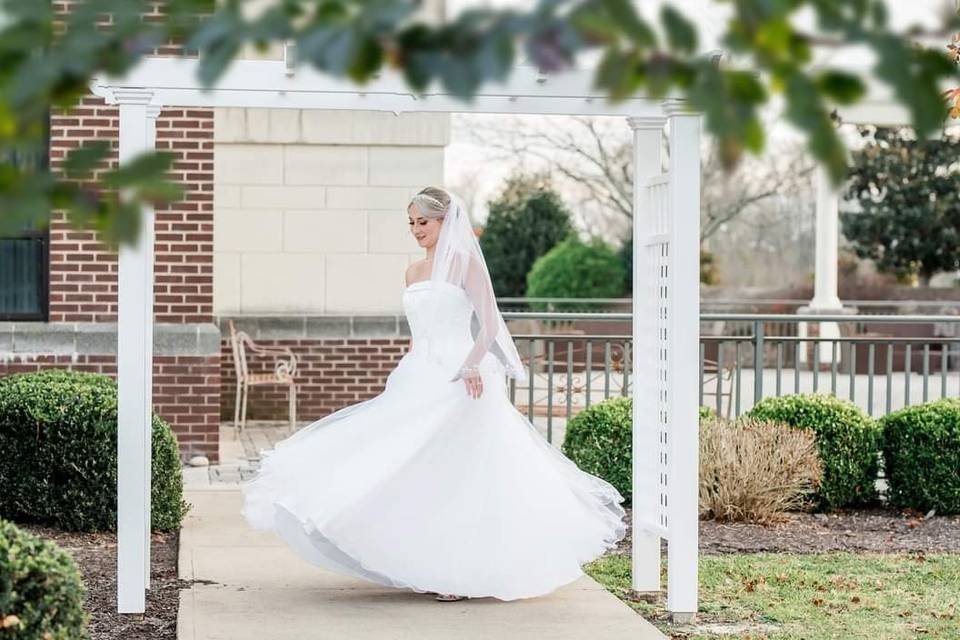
481,295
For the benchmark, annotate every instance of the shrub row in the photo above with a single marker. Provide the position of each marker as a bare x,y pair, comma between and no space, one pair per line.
918,447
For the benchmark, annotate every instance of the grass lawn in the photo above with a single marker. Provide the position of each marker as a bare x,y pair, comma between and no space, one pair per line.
818,596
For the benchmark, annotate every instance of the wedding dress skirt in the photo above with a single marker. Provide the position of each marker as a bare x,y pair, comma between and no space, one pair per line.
426,488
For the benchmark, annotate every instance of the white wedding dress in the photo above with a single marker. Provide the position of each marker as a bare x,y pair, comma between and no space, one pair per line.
426,488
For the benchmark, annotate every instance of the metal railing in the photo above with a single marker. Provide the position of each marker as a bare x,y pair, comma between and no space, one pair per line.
568,370
741,305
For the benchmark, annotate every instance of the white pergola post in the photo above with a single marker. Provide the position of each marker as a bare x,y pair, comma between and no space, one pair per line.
683,335
134,370
647,139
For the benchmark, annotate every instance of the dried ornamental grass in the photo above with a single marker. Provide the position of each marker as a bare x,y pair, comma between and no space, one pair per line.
755,470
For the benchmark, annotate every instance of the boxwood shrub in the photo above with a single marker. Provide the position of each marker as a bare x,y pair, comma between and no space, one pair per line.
58,454
848,442
598,440
921,454
41,594
576,269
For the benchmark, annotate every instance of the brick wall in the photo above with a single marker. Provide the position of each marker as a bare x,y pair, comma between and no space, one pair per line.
83,273
331,375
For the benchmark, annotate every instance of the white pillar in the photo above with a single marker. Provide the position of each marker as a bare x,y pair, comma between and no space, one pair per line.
683,352
825,294
826,297
647,139
134,360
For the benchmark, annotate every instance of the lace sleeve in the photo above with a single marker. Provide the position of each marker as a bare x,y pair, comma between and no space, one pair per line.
481,295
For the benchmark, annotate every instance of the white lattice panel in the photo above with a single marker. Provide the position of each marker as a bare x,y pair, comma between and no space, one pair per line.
656,250
659,255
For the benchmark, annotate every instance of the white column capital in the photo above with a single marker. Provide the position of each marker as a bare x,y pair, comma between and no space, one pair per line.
646,123
153,111
123,95
675,107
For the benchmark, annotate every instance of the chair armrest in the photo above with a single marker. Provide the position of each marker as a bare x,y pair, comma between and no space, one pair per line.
285,368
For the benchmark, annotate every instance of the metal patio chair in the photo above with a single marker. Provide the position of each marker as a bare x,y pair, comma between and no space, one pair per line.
284,370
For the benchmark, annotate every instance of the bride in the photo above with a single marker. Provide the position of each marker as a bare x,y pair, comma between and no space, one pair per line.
439,485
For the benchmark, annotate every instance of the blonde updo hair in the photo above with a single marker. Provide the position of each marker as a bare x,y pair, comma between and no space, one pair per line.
431,202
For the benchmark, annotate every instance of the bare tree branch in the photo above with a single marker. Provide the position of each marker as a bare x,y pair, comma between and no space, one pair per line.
593,161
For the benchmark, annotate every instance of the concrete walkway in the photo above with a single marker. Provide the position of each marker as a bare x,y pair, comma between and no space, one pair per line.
253,587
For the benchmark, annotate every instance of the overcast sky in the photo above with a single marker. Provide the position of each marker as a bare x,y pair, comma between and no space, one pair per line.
464,159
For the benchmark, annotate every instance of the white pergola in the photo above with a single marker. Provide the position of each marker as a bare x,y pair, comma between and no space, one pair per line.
666,305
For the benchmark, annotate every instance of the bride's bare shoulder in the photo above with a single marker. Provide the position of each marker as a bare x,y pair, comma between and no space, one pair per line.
415,271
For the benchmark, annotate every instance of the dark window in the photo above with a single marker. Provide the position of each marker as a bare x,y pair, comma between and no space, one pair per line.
23,277
24,258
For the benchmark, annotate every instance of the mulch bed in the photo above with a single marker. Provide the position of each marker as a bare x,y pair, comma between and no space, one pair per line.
96,556
879,529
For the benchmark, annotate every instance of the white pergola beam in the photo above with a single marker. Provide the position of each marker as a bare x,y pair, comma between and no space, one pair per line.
266,84
134,373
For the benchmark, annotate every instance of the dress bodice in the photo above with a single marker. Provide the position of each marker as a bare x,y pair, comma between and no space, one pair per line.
452,335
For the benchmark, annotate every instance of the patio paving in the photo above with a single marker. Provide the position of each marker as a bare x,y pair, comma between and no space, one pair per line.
249,585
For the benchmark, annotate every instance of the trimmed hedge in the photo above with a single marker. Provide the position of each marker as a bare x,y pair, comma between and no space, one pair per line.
848,441
41,594
921,453
576,269
58,454
599,441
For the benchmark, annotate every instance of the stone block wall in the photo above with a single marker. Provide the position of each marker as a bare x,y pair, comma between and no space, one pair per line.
310,203
311,244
